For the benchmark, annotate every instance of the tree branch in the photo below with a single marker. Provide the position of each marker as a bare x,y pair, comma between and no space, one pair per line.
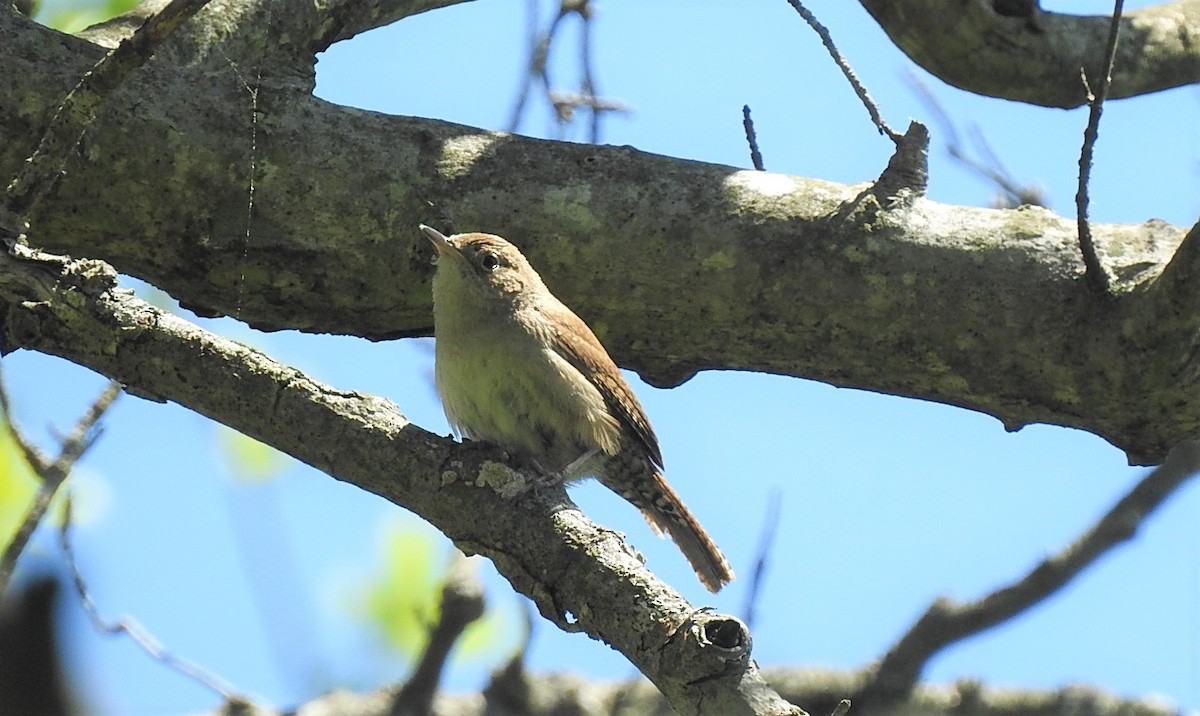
555,694
139,634
844,66
1035,57
461,604
946,622
52,473
1095,274
81,105
261,22
978,308
546,548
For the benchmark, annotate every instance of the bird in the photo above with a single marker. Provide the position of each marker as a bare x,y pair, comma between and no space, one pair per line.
515,367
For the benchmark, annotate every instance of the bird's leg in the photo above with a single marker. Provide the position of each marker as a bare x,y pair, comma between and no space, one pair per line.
545,478
570,472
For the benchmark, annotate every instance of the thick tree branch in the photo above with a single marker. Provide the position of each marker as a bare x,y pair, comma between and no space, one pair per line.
261,23
545,547
979,308
79,108
554,694
1036,56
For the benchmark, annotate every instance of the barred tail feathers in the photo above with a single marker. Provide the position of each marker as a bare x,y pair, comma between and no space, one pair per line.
638,482
667,512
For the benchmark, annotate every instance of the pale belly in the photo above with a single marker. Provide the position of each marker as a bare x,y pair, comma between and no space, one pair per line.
529,401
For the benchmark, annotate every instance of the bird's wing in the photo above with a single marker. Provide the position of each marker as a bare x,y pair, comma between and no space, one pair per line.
576,344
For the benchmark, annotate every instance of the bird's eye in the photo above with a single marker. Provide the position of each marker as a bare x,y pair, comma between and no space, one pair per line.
489,261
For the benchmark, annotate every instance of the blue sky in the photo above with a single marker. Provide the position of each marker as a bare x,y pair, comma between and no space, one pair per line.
886,503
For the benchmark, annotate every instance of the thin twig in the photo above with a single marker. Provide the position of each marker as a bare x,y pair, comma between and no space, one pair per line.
1014,193
531,31
752,139
139,634
1094,273
588,85
51,473
859,89
541,68
33,455
765,541
563,104
81,105
947,621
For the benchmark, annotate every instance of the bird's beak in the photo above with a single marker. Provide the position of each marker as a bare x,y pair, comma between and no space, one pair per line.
439,241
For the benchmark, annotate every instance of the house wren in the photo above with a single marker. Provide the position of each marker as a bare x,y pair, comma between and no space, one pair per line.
515,367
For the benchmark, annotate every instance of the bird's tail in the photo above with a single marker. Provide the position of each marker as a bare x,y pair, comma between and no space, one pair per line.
665,511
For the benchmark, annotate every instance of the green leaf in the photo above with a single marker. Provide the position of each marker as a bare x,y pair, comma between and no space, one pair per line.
18,485
402,599
79,15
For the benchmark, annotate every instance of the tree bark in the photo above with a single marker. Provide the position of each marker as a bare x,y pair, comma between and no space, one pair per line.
525,694
216,175
1014,50
581,576
979,308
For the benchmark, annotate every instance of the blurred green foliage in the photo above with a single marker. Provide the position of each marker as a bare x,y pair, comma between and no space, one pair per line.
402,600
18,485
71,17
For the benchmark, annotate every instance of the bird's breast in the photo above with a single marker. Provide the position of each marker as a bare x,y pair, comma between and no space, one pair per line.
501,383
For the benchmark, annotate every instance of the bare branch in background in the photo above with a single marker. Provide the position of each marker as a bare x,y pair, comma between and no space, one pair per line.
564,103
947,621
752,139
766,542
859,89
51,472
462,603
587,87
511,684
1012,192
1095,274
136,631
